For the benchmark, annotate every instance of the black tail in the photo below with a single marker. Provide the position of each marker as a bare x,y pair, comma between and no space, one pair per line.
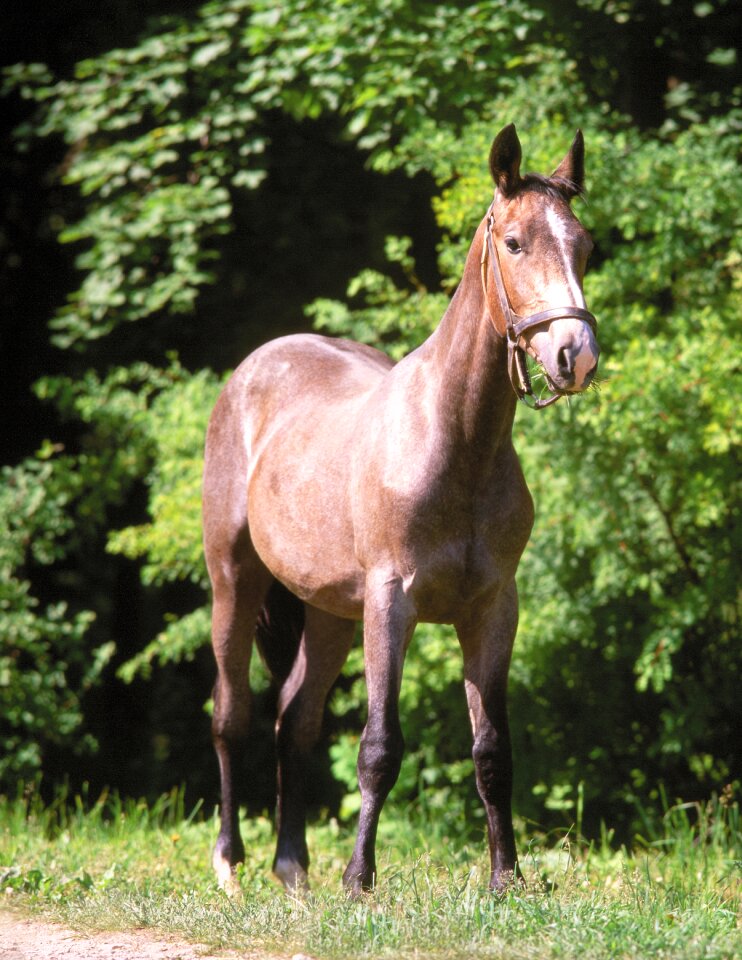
279,630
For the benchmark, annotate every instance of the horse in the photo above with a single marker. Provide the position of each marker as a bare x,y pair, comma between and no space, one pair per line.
340,487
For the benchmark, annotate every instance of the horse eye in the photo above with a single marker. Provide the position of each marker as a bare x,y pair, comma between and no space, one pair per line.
512,244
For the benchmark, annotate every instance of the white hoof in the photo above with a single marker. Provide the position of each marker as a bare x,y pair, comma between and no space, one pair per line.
226,875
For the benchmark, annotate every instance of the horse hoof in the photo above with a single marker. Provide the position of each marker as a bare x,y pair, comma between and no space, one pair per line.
292,875
506,880
356,886
226,875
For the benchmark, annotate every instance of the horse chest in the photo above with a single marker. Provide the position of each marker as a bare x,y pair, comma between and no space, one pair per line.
448,545
477,562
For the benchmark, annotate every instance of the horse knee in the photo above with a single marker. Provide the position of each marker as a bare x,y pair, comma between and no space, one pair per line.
490,745
230,720
493,763
380,759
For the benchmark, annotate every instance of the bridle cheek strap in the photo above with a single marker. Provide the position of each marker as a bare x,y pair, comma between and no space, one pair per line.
516,326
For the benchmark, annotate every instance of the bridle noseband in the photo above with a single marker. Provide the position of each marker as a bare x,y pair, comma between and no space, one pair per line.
516,326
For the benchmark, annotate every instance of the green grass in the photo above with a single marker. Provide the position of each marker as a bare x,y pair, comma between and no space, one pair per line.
118,865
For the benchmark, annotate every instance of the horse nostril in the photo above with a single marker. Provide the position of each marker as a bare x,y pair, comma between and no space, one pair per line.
565,363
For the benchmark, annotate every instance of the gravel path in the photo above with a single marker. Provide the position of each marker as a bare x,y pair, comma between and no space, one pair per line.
22,938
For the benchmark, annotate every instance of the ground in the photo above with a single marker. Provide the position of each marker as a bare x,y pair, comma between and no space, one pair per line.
22,938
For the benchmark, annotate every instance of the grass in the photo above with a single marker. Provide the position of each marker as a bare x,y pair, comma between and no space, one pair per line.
118,865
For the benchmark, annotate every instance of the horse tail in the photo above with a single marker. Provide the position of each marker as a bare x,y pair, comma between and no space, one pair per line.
279,629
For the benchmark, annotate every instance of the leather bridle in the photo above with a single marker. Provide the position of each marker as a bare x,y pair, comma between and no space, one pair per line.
516,326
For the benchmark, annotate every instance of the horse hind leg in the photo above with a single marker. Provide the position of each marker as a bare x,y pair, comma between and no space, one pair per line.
239,589
324,647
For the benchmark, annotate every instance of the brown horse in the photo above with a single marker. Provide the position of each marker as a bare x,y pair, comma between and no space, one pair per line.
341,487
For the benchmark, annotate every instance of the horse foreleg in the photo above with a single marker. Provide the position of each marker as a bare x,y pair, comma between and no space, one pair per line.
389,620
487,640
324,648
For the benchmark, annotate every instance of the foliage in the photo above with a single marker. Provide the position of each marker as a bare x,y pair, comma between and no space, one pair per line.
647,524
398,320
53,504
161,134
171,541
166,412
43,667
175,425
626,659
120,864
665,64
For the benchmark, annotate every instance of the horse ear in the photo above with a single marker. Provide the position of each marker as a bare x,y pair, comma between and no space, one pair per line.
505,157
571,171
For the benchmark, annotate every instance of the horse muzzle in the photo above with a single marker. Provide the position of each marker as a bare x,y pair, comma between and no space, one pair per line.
568,352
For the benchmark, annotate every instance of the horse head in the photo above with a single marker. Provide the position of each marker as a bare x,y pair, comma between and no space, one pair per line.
541,249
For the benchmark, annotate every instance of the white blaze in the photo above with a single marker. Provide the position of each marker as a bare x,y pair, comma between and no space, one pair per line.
564,290
559,230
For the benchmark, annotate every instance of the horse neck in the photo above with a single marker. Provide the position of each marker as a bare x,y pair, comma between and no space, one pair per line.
472,392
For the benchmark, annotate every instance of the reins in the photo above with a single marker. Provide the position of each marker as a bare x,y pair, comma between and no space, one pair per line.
516,326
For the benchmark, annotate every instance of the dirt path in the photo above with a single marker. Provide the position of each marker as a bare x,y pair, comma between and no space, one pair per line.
22,938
